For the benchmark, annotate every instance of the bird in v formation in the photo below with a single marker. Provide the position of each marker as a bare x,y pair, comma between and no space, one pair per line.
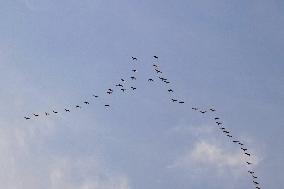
158,71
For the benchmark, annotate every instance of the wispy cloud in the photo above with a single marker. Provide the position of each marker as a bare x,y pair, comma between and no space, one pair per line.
210,152
25,164
205,154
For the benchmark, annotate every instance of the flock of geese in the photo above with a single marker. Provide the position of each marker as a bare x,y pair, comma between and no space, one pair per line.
159,76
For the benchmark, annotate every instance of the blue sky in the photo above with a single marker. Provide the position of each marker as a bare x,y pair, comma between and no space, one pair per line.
222,54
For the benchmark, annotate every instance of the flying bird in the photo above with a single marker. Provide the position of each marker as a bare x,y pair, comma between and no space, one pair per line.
119,85
181,102
46,113
155,65
134,70
255,182
150,79
133,78
54,112
133,88
229,136
163,79
235,141
213,110
244,149
254,177
77,106
257,187
194,109
86,102
107,105
167,82
247,154
156,57
122,80
134,58
219,123
203,112
158,71
66,110
36,115
241,144
95,96
216,118
170,90
248,163
27,118
123,89
109,92
251,172
174,100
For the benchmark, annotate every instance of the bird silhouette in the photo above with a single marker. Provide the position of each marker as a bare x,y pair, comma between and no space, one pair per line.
134,58
54,112
123,90
241,144
119,85
219,123
150,79
156,57
244,149
36,115
134,70
255,182
155,65
235,141
174,100
109,92
213,110
167,82
170,90
107,105
229,136
216,118
203,112
122,80
46,113
66,110
133,88
96,96
158,71
248,163
254,177
86,102
247,154
251,172
77,106
133,78
163,79
181,102
27,118
194,109
257,187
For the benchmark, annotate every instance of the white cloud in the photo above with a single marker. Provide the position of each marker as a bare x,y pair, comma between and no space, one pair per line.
205,154
23,165
211,157
211,154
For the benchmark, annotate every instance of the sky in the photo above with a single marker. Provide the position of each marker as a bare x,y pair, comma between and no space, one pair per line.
221,54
